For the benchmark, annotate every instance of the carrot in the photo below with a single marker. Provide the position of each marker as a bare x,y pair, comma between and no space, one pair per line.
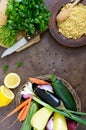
21,112
16,109
38,81
25,112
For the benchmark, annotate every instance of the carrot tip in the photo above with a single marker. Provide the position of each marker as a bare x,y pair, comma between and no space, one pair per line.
12,123
3,119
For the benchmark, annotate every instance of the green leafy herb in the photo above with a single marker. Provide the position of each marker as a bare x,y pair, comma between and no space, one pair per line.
7,36
19,64
24,15
5,67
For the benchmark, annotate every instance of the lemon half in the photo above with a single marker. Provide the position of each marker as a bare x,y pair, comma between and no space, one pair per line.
6,96
12,80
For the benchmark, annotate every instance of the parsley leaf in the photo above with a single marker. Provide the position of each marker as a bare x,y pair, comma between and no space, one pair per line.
19,64
5,67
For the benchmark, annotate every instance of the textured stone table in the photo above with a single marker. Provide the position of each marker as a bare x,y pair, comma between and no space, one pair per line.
46,57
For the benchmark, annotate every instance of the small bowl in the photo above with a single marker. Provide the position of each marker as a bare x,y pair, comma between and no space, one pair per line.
54,31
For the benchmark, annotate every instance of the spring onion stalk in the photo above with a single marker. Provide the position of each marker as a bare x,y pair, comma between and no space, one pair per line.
65,113
77,113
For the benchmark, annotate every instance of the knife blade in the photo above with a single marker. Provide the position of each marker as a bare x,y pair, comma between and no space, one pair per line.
12,49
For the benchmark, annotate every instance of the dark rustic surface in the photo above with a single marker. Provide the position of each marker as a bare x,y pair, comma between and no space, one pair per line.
46,57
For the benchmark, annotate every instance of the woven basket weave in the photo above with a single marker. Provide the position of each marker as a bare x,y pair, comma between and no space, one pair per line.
69,87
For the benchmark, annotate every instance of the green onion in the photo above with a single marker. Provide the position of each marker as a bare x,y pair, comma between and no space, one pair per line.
76,112
65,113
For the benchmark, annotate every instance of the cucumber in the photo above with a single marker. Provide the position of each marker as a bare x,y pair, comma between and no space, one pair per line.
63,93
26,125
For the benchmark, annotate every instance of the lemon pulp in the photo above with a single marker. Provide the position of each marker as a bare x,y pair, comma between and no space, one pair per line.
6,96
12,80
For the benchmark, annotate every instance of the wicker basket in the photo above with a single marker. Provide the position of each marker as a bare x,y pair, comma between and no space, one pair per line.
69,87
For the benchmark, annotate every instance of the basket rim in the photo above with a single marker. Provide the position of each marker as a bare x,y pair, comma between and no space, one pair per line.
67,84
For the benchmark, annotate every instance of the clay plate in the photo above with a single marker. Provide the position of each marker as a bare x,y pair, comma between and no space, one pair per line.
54,31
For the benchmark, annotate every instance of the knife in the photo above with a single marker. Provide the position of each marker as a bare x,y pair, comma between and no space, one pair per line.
20,45
13,48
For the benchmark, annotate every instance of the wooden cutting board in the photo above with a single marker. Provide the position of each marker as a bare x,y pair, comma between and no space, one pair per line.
30,42
3,6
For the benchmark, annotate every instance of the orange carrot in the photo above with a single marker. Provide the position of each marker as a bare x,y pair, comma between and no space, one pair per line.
21,112
38,81
25,112
16,109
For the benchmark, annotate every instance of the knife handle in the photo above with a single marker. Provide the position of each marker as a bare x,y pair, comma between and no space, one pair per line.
33,41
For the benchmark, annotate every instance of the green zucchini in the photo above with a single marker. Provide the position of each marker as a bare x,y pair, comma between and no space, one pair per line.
63,93
26,125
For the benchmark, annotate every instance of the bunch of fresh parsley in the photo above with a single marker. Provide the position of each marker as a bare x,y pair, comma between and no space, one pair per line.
26,15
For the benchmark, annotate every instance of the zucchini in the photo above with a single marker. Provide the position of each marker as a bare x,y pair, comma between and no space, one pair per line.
63,93
46,96
26,125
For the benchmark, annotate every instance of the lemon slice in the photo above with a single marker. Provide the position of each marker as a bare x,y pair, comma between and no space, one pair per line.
6,96
12,80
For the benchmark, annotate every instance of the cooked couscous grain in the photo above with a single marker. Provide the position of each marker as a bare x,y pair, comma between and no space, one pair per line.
75,25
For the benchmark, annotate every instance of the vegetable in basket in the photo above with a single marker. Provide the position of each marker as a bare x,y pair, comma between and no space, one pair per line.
59,122
26,125
63,93
40,118
46,96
